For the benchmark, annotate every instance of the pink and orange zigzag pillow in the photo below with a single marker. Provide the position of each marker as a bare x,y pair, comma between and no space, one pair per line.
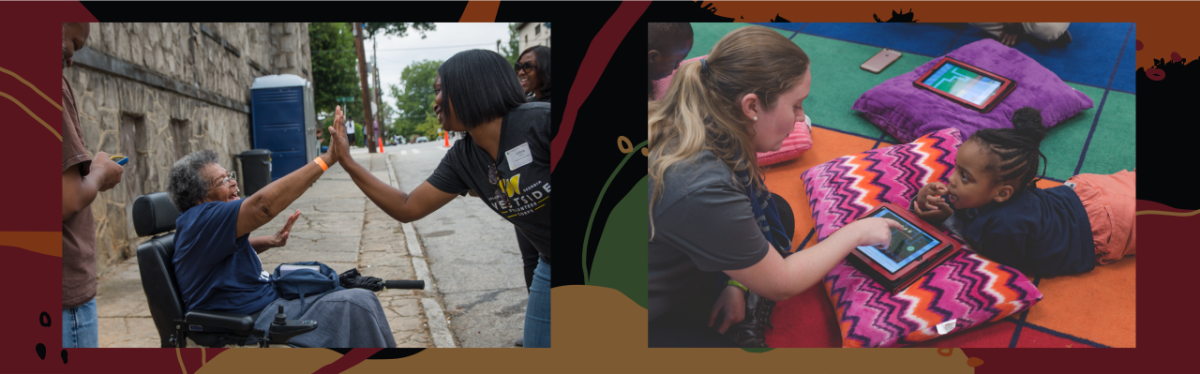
966,291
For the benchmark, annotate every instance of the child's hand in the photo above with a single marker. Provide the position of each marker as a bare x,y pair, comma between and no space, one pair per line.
929,204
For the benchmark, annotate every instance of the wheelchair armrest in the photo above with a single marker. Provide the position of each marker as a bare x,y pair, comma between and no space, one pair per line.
224,320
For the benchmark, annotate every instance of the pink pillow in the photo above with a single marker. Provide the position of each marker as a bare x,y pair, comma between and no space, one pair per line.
661,85
797,142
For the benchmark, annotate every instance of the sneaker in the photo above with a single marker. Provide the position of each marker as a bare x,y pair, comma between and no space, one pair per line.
520,342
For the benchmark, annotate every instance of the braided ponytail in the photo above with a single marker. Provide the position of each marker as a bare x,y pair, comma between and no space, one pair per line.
1018,148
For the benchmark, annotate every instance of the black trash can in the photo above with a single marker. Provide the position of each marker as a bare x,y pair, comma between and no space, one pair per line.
256,170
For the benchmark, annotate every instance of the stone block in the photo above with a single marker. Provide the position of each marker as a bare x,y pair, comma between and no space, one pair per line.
96,86
108,143
112,89
154,34
79,81
133,97
87,105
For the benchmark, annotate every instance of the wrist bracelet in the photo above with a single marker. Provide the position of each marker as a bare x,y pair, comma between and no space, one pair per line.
321,162
734,283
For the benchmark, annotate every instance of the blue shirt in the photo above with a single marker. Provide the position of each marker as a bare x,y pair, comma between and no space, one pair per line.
1041,232
215,269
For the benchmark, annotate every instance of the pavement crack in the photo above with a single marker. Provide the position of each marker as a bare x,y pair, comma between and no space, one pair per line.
490,296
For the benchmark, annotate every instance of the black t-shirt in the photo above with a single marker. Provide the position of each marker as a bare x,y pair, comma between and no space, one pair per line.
1041,232
523,160
703,225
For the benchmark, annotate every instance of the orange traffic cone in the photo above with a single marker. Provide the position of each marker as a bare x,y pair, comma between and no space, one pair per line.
380,145
447,137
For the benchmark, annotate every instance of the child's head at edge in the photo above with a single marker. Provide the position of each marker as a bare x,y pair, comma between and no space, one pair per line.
669,44
993,165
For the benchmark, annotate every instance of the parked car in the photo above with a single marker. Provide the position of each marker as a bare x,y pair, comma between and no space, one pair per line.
422,139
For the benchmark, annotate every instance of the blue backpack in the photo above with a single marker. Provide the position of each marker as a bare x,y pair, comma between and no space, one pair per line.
305,283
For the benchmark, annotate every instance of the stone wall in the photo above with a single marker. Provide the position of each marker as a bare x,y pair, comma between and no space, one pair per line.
158,91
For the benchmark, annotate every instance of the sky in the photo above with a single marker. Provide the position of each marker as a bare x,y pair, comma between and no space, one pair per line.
395,53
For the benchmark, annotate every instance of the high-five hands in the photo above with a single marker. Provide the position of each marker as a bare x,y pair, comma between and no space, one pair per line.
339,146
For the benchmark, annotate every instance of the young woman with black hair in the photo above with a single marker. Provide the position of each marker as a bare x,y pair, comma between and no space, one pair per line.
504,159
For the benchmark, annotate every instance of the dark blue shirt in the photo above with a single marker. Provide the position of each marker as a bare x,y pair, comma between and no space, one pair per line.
217,270
1040,232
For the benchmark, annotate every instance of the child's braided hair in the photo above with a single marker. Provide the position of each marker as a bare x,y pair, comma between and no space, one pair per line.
1017,149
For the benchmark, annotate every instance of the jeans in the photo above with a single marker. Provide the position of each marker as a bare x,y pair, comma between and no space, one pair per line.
537,312
81,326
529,255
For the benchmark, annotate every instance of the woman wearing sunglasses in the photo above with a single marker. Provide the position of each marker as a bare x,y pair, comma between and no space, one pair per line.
533,69
504,159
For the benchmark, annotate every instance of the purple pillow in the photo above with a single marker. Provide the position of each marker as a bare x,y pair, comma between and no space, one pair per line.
907,112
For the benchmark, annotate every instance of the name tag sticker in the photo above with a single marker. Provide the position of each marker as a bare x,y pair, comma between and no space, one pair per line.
518,156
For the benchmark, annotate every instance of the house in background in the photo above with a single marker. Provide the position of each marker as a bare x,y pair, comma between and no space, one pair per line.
533,33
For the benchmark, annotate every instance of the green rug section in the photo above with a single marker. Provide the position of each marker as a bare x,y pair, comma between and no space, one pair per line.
621,261
706,35
838,81
1113,147
1064,142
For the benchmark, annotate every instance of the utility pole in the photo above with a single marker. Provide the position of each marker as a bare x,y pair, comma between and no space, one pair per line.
378,90
362,74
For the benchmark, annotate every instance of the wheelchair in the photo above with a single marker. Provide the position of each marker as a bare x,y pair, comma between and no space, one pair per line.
154,214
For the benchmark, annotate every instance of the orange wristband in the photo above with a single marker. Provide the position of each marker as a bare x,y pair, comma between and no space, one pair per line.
321,162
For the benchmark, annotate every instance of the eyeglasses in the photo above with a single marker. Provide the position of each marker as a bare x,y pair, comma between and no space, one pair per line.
231,177
500,183
526,67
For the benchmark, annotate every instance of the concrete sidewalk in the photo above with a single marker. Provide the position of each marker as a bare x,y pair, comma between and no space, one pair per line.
338,226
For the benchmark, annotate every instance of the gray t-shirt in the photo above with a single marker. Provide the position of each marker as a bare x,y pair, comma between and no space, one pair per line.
525,147
703,224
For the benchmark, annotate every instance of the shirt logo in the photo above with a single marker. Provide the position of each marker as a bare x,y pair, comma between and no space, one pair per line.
511,186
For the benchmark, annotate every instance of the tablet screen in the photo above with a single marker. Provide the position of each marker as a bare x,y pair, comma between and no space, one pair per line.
963,83
907,244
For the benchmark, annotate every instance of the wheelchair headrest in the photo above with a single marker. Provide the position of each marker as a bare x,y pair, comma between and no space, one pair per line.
154,214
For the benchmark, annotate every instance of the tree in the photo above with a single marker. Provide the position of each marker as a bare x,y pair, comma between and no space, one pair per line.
512,50
414,96
396,28
429,127
334,68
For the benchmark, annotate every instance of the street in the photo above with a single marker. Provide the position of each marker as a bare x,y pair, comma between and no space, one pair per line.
472,253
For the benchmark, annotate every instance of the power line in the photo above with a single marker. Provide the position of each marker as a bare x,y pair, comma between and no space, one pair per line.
448,46
402,49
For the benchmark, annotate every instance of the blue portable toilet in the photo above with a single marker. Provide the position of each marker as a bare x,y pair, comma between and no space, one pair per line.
284,121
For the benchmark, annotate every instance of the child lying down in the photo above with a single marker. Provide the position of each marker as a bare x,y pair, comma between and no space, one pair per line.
993,202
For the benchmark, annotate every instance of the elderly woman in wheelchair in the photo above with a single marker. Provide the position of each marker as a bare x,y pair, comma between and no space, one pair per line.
218,271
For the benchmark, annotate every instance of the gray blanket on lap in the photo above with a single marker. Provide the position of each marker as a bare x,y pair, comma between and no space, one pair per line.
351,318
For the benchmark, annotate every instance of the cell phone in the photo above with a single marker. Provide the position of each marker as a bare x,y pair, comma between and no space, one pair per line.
881,60
121,160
